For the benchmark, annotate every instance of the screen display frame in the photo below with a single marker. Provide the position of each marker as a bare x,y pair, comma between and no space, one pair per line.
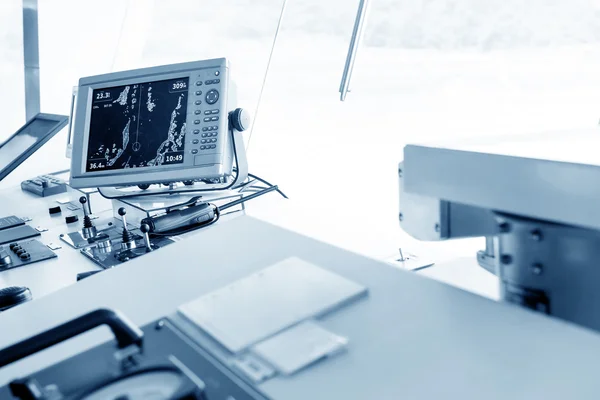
60,121
219,164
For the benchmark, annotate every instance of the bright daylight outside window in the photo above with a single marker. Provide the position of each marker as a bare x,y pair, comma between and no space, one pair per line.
443,70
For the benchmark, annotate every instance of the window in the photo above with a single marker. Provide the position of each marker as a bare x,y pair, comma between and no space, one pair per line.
426,70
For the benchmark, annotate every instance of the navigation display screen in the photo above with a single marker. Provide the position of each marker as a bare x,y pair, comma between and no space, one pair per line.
141,125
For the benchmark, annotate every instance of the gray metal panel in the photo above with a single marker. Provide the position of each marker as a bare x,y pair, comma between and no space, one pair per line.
31,58
411,338
537,188
425,218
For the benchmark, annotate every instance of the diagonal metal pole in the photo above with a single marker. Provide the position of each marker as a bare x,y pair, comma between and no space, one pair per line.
357,33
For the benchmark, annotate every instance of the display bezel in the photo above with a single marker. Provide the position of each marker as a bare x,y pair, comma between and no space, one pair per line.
193,71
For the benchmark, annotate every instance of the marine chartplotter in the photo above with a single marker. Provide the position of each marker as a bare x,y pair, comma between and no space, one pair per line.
153,125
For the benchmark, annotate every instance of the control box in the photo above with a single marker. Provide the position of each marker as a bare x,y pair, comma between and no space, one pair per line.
44,185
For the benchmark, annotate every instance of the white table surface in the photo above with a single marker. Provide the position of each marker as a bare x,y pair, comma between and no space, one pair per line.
406,334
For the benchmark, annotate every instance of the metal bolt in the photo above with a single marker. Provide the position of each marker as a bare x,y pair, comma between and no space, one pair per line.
506,259
536,235
536,269
159,325
110,224
400,216
437,227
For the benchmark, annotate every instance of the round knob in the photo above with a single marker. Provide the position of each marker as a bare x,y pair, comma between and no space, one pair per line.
122,211
5,260
145,228
13,295
82,200
239,119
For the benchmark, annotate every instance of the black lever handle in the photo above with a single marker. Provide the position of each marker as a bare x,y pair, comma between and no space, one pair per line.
126,334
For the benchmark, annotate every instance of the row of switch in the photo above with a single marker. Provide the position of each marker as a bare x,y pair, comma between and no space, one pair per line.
207,119
208,82
208,112
206,129
196,141
204,147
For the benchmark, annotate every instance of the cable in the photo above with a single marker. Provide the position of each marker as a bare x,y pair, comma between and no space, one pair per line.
249,197
255,177
114,61
268,184
262,88
62,171
255,188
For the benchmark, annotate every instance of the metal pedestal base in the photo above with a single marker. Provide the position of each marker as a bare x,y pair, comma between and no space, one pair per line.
550,267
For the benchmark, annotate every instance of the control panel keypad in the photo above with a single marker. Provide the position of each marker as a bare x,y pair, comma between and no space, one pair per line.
209,132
